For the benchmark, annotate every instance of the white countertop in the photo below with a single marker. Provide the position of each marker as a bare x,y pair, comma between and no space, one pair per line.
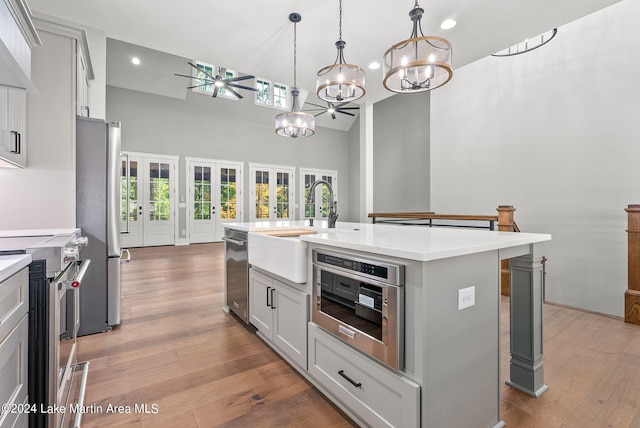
12,264
409,242
37,232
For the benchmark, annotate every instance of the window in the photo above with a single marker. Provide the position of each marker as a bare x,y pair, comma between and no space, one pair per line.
272,94
263,96
204,72
280,95
272,192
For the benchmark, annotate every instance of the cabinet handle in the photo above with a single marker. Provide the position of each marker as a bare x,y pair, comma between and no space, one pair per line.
268,304
351,381
345,285
15,136
273,306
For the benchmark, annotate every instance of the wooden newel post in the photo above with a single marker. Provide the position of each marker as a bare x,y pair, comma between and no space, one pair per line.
632,295
505,224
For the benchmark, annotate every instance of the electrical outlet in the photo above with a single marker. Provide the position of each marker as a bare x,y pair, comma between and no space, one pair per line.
466,297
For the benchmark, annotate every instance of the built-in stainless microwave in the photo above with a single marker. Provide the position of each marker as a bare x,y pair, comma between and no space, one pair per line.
360,300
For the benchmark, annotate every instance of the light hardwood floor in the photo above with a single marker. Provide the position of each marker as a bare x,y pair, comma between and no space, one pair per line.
176,349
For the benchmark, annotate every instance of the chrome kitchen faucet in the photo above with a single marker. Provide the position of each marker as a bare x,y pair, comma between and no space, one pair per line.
333,205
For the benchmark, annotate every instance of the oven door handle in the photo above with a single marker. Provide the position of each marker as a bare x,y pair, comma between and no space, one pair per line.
76,281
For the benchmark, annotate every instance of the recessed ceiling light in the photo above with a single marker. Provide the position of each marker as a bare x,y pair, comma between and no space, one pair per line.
448,24
374,65
135,60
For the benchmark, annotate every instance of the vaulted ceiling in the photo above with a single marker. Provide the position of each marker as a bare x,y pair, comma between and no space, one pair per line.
256,37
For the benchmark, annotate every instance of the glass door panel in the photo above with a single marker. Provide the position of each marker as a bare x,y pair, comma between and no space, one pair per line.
262,195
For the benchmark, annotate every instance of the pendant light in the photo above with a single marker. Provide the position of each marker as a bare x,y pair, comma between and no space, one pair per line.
420,63
295,123
340,82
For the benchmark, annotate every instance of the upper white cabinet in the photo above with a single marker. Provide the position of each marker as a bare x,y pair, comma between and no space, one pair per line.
17,37
81,68
82,83
13,127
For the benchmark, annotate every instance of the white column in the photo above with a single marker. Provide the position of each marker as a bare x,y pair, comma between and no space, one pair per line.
366,161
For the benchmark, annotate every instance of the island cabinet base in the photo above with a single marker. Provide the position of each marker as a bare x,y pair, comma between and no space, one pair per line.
362,387
280,312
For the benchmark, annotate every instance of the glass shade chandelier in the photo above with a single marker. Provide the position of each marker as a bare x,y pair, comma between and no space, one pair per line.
420,63
295,123
340,82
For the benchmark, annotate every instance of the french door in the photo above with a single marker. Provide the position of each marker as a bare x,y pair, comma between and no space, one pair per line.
148,200
215,197
319,209
272,193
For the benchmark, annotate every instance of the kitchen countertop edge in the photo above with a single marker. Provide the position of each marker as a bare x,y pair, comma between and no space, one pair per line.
11,264
408,242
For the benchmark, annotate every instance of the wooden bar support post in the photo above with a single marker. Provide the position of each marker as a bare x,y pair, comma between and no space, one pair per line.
632,295
505,224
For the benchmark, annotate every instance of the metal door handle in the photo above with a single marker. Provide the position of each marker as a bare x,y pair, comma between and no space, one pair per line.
234,241
126,259
273,306
76,281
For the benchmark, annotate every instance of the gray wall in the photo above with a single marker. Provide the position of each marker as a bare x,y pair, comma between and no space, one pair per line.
401,153
202,126
555,133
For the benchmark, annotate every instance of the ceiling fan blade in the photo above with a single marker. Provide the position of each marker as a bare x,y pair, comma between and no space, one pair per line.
235,85
349,108
198,86
234,92
322,112
215,92
315,109
201,70
346,112
192,77
315,105
237,79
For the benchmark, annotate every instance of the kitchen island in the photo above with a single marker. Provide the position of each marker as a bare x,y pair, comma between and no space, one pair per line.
450,370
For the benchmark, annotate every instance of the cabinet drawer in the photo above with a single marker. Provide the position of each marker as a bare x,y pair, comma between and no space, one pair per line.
376,395
14,301
13,370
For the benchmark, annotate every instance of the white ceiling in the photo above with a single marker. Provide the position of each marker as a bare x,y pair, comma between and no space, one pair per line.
256,37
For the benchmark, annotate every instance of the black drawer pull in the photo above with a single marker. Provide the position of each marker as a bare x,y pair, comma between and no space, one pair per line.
354,383
268,304
345,285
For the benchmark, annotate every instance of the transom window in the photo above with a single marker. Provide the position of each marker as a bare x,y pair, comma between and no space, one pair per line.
271,94
201,85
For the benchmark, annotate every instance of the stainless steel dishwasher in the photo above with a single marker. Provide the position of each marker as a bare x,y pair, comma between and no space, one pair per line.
236,267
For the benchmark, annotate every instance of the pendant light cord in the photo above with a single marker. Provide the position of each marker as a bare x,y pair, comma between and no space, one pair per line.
340,21
295,54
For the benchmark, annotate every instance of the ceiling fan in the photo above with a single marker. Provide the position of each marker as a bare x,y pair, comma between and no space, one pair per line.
218,81
332,109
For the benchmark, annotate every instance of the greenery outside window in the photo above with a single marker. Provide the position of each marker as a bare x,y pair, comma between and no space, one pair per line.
271,94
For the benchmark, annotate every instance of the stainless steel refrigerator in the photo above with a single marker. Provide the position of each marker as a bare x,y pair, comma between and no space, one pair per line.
98,216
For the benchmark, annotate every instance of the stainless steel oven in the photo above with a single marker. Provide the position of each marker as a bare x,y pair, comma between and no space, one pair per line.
55,276
360,300
64,330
